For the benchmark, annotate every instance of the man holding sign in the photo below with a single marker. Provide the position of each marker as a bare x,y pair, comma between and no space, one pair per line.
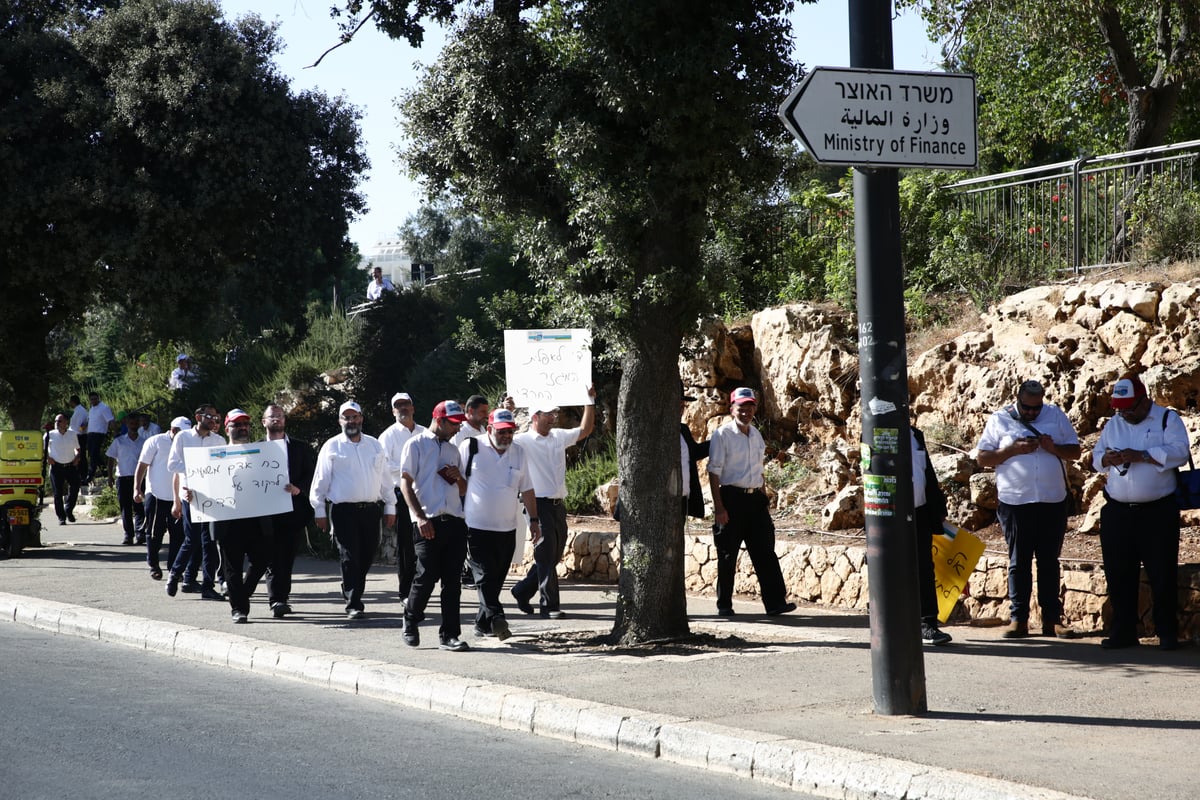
545,447
197,539
243,538
352,477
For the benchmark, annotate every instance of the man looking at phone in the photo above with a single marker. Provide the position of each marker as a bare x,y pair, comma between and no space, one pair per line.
432,487
1027,444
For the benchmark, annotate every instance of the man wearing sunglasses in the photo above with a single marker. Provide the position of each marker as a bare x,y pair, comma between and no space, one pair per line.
1028,444
1140,447
198,548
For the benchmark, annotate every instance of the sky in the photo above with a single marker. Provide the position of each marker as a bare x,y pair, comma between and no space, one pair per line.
373,70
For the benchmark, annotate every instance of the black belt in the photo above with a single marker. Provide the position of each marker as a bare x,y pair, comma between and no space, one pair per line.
372,504
739,489
1112,499
558,501
443,517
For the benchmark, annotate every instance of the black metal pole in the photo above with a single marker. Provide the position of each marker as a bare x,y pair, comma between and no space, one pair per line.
897,664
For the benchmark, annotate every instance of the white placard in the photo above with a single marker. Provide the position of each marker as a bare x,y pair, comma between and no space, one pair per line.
237,481
548,366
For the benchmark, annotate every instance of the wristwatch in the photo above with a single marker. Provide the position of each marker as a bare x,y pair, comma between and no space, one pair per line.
533,520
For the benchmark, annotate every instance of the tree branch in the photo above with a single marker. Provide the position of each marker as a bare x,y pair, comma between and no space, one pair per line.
1117,40
346,38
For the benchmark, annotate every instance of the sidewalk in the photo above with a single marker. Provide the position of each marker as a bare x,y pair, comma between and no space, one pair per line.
1037,718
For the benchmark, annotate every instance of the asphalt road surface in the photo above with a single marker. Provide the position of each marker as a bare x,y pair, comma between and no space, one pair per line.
94,720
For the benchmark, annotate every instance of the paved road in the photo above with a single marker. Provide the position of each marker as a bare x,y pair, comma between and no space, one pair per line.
94,720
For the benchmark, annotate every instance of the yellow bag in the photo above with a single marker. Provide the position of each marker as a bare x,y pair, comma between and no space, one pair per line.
955,554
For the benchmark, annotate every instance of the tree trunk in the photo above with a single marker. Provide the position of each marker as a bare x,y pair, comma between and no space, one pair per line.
651,603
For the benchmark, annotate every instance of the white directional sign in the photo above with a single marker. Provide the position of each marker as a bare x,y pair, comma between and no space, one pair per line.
885,118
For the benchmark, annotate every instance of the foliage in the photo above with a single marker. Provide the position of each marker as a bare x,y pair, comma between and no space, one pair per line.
105,504
592,469
161,157
1165,218
1061,79
609,133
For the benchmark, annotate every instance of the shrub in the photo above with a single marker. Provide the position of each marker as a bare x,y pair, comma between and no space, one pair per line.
588,472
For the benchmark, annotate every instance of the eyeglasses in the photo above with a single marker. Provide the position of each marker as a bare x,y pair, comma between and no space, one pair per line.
209,416
1030,409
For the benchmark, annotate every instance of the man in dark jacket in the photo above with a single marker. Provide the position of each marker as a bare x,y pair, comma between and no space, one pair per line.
929,507
693,497
289,526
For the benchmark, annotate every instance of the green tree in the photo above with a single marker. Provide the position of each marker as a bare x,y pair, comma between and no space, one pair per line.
161,164
1061,79
610,132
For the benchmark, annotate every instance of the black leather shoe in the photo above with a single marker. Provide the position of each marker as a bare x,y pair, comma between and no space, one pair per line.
724,612
280,610
783,609
410,635
454,645
1118,643
500,628
524,605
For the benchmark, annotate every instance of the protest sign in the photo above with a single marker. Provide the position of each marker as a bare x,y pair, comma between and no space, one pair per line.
237,481
548,366
955,554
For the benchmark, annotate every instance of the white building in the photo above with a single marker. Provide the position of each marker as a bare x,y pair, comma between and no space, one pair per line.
396,264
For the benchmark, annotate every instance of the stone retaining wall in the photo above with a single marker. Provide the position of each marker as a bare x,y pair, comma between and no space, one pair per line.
836,575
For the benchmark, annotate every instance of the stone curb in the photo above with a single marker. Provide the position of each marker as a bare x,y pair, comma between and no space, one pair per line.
818,769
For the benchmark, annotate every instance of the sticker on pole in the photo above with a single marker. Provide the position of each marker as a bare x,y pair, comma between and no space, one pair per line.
879,495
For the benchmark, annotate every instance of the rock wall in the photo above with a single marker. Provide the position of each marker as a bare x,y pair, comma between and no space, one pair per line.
837,575
1077,340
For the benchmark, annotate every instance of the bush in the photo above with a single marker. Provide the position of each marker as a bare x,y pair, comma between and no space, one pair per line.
105,505
588,472
1164,219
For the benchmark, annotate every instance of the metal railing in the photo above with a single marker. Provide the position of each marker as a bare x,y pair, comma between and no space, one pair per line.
1081,214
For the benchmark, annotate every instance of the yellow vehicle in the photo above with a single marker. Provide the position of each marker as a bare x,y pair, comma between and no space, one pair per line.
21,465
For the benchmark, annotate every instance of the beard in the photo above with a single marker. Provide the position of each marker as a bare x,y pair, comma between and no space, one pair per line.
352,430
275,427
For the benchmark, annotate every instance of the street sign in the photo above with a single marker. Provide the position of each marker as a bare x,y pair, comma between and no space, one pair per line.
885,118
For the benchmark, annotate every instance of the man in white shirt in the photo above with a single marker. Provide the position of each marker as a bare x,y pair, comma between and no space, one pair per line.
122,462
158,493
393,440
545,449
352,477
1028,443
184,374
740,510
496,472
1141,447
198,549
149,426
79,420
432,486
378,285
100,420
62,454
476,423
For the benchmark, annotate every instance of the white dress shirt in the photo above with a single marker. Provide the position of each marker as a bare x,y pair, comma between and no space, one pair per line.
376,290
685,459
352,472
423,456
99,416
62,447
79,418
125,452
184,439
1035,477
1143,482
735,457
918,471
393,440
154,455
547,456
467,431
496,478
